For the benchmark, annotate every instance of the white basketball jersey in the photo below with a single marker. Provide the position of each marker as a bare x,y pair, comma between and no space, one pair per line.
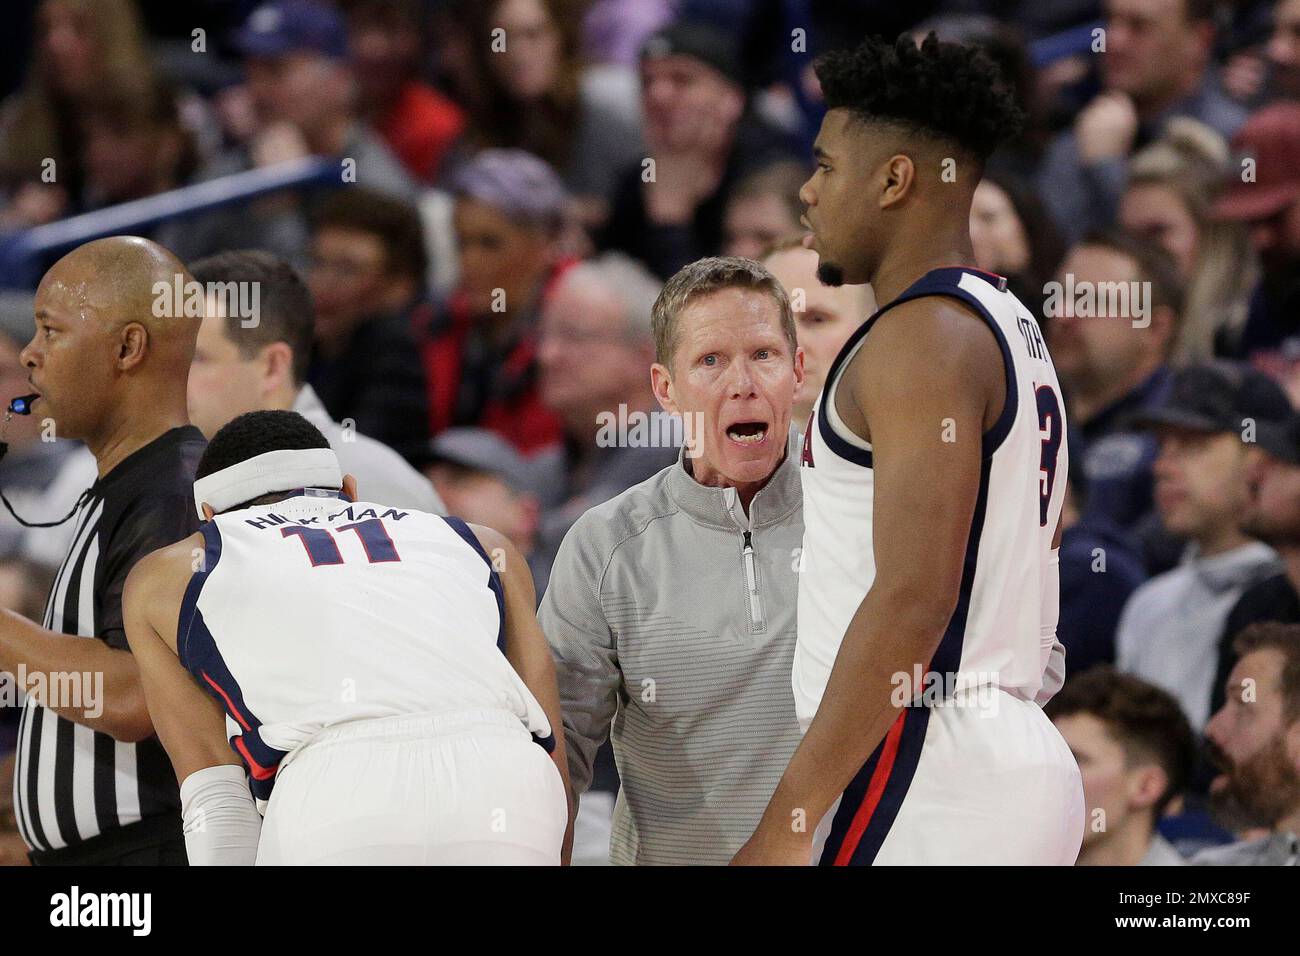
312,611
994,635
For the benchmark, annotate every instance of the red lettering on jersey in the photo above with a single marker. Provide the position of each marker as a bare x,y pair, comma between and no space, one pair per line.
806,457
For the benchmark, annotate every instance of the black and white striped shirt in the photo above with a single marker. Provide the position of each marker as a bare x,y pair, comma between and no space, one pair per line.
72,783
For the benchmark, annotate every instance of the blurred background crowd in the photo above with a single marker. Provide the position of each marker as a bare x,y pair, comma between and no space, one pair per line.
466,208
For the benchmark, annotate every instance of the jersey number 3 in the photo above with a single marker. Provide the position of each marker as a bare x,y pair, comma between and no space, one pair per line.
322,549
1049,426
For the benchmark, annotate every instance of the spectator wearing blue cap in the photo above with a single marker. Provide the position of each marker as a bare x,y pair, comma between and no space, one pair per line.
1272,515
479,344
304,94
1207,429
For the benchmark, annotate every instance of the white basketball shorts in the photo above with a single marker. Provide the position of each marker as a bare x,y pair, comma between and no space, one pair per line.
982,780
453,789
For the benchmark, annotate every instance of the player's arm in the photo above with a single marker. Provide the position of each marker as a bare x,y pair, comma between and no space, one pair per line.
526,647
189,721
926,406
116,707
221,822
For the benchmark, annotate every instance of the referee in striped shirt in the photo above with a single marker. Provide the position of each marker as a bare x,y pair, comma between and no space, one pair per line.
109,361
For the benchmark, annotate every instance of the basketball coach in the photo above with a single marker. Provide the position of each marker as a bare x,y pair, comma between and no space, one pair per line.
92,784
671,607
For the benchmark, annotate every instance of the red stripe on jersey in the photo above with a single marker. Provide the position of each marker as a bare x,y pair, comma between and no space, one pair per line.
875,790
256,769
230,704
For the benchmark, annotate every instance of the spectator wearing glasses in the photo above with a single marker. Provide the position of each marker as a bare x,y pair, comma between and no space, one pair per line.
594,350
366,275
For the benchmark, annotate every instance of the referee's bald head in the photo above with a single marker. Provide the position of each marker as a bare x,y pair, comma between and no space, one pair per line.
110,344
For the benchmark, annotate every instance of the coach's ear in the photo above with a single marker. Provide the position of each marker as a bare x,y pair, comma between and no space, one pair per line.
208,513
661,382
350,487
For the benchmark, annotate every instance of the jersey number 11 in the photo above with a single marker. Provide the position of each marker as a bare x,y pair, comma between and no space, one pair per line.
322,549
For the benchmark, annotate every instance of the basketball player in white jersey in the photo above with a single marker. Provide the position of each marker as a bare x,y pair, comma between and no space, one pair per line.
933,473
364,674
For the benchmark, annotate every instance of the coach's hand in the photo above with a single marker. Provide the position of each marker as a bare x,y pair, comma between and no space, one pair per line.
775,846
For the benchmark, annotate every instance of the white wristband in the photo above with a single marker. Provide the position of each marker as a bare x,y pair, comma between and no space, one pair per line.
221,822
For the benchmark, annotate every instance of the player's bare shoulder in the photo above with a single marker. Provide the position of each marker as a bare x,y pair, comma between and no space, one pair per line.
933,344
501,551
156,585
934,331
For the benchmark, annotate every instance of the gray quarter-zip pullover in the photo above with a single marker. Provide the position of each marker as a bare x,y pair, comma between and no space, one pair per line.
672,617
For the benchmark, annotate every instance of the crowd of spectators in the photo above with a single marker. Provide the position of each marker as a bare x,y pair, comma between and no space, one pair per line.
515,180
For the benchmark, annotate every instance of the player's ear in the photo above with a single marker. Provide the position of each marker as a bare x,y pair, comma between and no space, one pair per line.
899,178
350,487
208,513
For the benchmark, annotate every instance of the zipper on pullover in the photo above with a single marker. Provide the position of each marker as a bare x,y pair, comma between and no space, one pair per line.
755,600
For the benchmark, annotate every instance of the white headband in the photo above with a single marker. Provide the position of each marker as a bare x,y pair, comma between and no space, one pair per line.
281,470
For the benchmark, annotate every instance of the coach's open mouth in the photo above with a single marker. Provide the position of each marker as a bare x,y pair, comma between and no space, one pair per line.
748,433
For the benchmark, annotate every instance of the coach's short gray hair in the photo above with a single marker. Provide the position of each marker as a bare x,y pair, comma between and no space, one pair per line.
703,277
635,286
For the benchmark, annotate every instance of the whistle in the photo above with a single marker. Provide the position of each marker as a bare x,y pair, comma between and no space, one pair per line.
22,405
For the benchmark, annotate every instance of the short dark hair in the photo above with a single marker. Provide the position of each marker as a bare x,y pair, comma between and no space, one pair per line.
396,224
285,311
1154,265
256,433
1272,635
946,91
1145,720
